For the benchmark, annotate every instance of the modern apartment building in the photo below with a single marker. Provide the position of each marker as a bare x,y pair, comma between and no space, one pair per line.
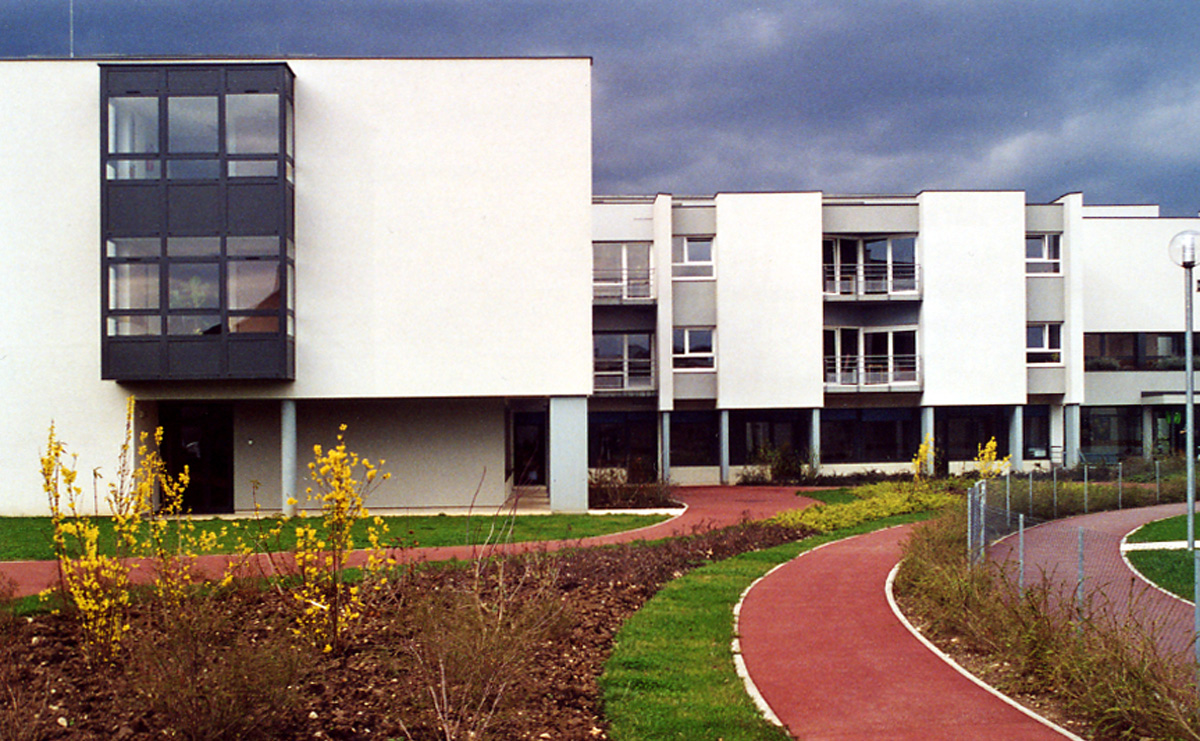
262,250
850,328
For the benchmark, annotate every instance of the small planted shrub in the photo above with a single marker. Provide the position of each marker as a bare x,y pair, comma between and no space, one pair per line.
614,488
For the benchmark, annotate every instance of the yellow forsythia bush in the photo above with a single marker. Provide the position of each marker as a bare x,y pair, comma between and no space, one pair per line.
878,501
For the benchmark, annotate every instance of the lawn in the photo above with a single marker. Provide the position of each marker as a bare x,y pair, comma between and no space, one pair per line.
29,538
1172,528
1171,570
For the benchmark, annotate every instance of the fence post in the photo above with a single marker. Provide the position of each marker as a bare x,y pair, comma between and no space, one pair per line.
1021,552
982,519
1055,488
1085,488
1120,483
1079,583
1031,492
1157,483
1007,500
971,525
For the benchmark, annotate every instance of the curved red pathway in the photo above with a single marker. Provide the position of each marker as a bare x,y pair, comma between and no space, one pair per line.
833,662
708,507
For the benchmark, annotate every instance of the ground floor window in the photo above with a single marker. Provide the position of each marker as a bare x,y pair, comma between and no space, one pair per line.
1035,422
959,431
1111,431
695,438
869,435
751,431
626,440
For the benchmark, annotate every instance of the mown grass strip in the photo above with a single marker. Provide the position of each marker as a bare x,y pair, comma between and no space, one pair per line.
29,538
1171,570
1172,528
671,674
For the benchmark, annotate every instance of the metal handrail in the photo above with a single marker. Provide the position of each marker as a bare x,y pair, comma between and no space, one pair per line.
872,280
865,371
629,374
623,283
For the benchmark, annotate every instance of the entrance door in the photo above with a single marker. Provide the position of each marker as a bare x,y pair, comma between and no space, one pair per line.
200,437
529,448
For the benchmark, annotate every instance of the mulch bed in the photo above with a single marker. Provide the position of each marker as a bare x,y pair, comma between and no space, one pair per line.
231,668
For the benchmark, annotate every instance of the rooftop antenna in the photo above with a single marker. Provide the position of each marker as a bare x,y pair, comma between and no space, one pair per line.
71,28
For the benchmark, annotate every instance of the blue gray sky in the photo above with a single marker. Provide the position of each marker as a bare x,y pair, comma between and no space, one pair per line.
843,96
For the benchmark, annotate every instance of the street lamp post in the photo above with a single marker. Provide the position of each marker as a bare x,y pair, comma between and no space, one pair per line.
1183,251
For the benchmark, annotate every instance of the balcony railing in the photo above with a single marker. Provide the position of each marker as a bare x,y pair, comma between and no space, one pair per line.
622,284
881,281
873,373
623,375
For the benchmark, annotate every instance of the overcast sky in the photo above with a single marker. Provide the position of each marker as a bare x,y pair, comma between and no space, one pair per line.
843,96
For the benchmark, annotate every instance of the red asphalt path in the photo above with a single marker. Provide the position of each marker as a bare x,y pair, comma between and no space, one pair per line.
708,507
831,659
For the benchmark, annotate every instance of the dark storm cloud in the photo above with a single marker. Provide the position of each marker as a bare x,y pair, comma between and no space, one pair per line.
841,96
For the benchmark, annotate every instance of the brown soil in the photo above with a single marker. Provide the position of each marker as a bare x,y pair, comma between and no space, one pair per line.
231,668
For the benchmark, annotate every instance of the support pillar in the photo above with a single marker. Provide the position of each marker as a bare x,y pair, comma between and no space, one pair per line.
927,434
1147,433
723,426
814,441
567,453
287,456
1071,435
1016,438
664,441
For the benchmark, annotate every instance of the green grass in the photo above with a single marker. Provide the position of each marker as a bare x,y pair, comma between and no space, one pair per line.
29,538
1171,570
671,674
1172,528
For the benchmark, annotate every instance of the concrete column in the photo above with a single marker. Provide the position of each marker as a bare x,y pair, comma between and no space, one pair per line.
1147,433
1016,438
664,441
287,456
724,435
1057,434
567,454
1071,439
814,441
927,434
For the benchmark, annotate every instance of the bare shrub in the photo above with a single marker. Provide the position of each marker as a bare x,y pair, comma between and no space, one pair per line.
470,640
617,488
211,679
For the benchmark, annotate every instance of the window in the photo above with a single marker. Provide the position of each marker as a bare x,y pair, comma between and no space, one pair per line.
621,270
1042,254
1111,351
857,356
623,361
692,257
870,266
693,348
1043,343
197,219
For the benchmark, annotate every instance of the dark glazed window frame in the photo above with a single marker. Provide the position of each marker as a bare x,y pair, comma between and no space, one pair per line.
156,204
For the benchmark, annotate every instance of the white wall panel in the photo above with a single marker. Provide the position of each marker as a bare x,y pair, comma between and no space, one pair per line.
972,333
769,301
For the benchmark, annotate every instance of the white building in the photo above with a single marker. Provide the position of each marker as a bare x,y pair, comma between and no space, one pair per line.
262,250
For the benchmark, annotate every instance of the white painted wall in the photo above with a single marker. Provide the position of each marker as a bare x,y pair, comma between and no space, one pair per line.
971,251
769,300
443,223
50,279
1131,283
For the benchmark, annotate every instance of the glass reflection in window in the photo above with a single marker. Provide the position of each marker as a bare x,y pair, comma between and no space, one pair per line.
133,286
132,125
194,286
252,124
254,284
192,124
